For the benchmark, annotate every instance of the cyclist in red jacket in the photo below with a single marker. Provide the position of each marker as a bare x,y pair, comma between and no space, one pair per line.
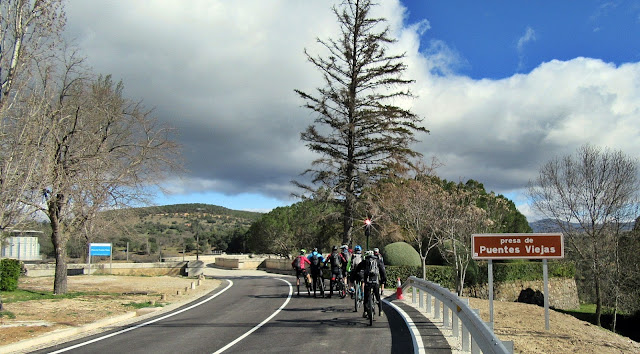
299,265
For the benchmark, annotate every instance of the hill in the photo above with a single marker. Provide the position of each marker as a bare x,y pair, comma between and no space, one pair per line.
167,230
550,225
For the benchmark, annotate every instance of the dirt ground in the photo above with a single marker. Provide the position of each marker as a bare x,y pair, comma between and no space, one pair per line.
38,317
522,323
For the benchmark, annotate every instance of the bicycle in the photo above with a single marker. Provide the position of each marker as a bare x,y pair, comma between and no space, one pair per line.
371,303
339,287
358,295
319,285
307,283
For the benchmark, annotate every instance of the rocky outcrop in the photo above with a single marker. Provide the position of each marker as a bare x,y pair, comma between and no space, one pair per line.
563,292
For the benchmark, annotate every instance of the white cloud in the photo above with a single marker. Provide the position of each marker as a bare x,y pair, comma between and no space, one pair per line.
224,73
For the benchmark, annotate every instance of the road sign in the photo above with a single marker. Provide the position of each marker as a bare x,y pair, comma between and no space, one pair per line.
517,246
99,249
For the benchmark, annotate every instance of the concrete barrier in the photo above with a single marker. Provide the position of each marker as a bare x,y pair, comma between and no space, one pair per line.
163,268
239,263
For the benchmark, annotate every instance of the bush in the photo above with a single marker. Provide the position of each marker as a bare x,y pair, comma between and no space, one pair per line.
527,270
401,254
10,270
443,275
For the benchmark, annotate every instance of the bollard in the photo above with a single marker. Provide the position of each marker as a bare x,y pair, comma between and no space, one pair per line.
163,297
193,285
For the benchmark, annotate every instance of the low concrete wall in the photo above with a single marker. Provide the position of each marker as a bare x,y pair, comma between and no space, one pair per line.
277,264
563,292
239,262
164,268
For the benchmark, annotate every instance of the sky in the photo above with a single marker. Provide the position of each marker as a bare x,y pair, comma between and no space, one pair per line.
503,86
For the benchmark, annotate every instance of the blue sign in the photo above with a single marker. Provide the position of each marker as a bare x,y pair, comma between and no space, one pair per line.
99,249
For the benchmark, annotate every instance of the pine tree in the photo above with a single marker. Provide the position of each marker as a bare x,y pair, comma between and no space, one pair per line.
360,132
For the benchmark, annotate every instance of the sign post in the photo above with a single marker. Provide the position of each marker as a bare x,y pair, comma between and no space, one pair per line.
518,246
100,249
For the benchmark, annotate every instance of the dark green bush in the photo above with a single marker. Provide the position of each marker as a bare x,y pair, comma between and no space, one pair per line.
10,270
443,275
401,254
526,270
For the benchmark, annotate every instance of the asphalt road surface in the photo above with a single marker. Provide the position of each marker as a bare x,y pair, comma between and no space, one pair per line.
254,314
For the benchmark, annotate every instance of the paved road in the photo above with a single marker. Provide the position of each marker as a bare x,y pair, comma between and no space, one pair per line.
252,313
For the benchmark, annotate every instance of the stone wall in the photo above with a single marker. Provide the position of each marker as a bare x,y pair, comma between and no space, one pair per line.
150,269
563,292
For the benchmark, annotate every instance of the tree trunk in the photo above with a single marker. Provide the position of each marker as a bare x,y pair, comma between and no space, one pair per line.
598,301
347,222
59,245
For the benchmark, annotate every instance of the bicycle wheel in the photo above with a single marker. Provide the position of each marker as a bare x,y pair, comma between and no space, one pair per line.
342,290
321,286
370,309
357,296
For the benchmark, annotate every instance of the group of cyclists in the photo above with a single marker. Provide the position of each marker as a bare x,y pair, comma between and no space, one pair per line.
349,269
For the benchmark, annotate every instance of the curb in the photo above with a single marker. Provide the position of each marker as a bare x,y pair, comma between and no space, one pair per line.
64,333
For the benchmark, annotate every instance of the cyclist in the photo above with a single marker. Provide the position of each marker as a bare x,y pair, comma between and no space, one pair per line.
374,274
336,260
356,258
346,264
299,265
316,261
376,252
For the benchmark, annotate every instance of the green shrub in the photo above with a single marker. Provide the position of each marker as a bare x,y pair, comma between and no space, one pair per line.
443,275
9,273
527,270
401,254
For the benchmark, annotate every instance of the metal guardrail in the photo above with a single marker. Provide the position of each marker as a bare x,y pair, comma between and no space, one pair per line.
476,334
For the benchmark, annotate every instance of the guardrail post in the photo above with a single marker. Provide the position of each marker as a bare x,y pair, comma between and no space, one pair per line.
474,345
421,302
445,315
413,293
428,303
437,308
455,325
465,332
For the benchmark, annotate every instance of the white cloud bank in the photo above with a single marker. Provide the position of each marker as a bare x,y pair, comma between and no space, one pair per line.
223,73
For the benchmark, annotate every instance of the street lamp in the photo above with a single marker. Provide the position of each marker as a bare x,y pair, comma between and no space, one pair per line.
367,230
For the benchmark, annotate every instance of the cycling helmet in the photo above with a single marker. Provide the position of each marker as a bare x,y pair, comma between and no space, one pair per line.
376,250
335,248
344,247
315,249
368,254
303,251
358,248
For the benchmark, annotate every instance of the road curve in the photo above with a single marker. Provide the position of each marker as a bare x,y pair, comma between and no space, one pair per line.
253,313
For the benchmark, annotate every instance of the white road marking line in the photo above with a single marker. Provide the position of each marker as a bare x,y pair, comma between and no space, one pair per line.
145,323
418,345
261,323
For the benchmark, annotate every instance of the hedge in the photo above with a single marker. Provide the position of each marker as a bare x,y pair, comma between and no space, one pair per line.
527,270
10,270
443,275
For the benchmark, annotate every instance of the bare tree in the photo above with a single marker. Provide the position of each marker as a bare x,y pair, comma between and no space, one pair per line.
360,132
29,30
412,205
457,218
101,150
588,194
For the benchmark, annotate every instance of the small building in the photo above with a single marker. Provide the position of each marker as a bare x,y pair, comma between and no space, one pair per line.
21,245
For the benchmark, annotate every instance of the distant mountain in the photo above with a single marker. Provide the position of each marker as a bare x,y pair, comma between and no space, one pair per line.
550,225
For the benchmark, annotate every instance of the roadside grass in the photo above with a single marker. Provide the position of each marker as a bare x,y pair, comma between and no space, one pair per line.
8,314
139,305
20,295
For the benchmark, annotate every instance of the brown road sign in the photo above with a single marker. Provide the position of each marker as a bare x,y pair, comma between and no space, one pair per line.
517,246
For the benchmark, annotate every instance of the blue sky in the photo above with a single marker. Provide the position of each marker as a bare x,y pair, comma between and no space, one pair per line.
503,86
496,39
